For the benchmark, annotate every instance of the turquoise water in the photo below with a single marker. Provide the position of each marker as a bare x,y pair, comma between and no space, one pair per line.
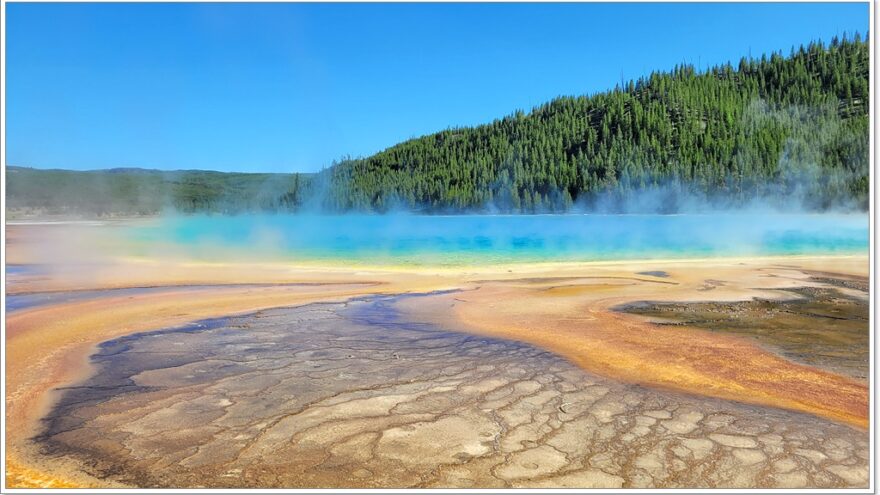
416,239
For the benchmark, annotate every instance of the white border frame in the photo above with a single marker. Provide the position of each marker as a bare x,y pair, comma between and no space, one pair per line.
872,311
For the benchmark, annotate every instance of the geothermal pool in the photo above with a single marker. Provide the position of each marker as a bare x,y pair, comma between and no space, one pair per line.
432,240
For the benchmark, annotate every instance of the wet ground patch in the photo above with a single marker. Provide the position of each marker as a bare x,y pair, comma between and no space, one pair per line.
823,327
654,273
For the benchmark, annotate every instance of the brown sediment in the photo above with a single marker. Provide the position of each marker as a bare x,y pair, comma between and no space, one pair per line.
846,281
824,328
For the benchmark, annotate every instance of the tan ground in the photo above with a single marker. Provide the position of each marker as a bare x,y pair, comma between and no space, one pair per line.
564,308
573,317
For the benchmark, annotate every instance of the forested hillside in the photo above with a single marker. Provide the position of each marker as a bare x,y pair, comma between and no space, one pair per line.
780,128
765,127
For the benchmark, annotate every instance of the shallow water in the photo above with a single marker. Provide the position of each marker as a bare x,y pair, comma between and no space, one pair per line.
415,239
17,302
28,300
24,270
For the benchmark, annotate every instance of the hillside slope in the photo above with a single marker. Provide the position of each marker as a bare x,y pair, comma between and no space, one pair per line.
772,126
786,130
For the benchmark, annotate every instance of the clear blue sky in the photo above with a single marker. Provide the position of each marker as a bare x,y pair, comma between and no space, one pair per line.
282,87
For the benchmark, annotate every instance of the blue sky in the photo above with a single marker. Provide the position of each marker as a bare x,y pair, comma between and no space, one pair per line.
290,87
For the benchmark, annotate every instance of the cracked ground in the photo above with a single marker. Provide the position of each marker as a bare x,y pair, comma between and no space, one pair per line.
355,395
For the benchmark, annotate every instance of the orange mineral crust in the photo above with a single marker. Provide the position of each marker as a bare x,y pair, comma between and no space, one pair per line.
577,320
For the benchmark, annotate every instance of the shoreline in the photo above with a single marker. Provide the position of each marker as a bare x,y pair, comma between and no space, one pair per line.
199,272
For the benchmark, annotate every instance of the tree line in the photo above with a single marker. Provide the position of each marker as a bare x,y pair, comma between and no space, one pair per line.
766,127
770,128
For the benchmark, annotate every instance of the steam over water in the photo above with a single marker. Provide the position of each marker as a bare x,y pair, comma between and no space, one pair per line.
452,240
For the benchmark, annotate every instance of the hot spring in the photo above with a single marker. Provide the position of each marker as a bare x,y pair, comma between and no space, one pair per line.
490,239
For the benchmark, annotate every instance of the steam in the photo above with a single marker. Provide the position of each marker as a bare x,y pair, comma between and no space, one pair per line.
406,239
798,182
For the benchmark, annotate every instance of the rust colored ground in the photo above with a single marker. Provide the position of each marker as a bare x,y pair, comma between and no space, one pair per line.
684,359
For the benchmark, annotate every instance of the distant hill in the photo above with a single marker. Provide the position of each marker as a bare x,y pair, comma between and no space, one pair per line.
132,191
778,129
